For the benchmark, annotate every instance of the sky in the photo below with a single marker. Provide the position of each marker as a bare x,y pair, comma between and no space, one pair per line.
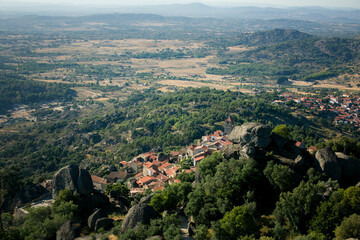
290,3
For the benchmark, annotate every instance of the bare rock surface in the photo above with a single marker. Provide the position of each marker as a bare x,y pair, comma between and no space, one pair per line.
140,213
72,178
253,133
328,163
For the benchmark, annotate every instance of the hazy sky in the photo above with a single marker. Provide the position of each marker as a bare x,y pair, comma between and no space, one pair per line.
326,3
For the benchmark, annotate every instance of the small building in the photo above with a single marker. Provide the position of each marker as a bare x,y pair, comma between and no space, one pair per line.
312,149
113,177
300,145
228,126
99,183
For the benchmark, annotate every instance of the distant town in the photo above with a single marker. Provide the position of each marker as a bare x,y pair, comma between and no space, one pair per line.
345,108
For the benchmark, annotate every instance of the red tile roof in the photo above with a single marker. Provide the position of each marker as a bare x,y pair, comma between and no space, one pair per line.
164,166
199,158
124,163
174,153
148,164
172,171
146,179
97,179
156,163
162,177
139,175
148,154
160,188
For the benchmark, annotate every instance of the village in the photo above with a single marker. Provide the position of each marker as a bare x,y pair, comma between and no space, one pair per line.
345,107
152,171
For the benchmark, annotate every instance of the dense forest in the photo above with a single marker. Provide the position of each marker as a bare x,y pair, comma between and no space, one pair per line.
15,89
295,55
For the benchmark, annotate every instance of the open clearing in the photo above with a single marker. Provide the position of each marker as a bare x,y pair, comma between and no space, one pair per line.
180,83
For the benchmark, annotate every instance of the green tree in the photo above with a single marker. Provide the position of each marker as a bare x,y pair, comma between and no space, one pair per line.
280,176
238,222
342,203
349,228
120,188
171,196
282,130
201,233
296,208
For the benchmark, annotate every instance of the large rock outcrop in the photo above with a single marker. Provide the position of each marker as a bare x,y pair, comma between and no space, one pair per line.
68,231
328,163
104,223
72,178
96,215
140,213
350,169
231,151
253,134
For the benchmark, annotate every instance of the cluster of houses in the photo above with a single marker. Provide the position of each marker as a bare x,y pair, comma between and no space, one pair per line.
345,107
154,170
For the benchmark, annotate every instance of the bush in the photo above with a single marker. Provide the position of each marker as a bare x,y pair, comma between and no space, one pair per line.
349,228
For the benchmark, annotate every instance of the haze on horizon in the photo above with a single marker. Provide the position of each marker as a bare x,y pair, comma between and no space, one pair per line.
275,3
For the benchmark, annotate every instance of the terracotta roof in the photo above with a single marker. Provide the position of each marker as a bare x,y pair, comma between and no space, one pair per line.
229,120
146,179
152,170
171,171
164,166
139,175
153,157
225,142
202,147
174,153
148,164
162,177
138,162
312,148
192,147
199,158
148,154
160,188
156,163
124,163
97,179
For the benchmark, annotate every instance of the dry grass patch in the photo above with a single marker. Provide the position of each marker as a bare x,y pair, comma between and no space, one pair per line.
194,84
240,48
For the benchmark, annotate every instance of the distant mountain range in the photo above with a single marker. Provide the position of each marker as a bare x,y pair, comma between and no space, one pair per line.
189,10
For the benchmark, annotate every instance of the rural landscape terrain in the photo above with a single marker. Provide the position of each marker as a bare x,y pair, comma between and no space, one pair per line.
216,123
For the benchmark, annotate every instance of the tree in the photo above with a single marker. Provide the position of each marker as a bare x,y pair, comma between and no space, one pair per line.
238,222
349,228
120,188
342,203
171,196
296,208
186,177
280,176
282,80
282,130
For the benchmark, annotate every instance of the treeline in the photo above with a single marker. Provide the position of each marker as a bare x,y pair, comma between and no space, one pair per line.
15,89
